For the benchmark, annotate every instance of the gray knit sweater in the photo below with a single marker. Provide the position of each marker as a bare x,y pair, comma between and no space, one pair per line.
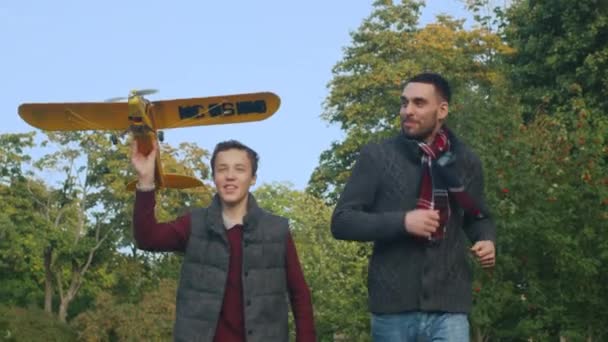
407,273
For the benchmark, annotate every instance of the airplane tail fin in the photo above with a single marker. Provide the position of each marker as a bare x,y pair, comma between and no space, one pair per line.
173,181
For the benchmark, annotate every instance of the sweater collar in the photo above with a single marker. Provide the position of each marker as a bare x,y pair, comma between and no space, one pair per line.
250,220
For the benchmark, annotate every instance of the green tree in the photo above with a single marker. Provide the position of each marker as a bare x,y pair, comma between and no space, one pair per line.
33,324
13,154
20,241
560,44
547,190
20,248
111,319
558,188
76,228
66,216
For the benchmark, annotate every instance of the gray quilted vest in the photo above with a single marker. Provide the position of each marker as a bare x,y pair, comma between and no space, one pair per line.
205,269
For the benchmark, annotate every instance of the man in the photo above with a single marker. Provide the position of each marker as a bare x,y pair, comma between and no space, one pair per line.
414,196
240,261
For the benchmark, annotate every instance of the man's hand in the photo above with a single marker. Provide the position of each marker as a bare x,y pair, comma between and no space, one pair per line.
485,253
421,222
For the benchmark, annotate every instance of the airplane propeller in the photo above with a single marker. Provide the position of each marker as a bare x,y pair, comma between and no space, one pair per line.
116,99
140,92
143,92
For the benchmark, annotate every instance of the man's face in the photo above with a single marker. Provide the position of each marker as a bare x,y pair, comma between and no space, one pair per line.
422,111
233,176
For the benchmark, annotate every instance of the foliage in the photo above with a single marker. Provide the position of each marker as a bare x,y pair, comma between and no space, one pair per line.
560,44
554,192
12,155
111,319
18,324
64,219
20,248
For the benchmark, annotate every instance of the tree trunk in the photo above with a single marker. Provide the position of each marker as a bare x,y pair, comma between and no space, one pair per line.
48,280
63,308
72,290
478,335
338,337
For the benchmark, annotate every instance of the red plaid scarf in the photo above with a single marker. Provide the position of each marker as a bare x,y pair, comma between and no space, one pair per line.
437,184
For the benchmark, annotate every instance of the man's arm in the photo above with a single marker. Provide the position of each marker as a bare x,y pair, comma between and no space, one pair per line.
352,219
149,234
299,295
478,229
482,232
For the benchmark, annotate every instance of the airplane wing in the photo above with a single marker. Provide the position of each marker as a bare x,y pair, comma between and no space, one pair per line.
76,116
215,110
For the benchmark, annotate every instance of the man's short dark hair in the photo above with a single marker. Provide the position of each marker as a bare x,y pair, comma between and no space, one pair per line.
233,144
441,84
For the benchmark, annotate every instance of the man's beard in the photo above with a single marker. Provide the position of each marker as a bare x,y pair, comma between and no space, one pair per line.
425,133
420,136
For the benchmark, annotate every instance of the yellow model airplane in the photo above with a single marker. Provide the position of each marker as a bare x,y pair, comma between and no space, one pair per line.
144,118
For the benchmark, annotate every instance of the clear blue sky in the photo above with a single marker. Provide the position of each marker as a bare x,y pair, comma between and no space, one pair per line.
65,51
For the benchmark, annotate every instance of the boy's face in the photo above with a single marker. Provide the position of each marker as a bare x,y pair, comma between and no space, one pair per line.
233,176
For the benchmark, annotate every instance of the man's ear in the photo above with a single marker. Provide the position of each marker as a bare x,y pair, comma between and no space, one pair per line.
442,112
253,180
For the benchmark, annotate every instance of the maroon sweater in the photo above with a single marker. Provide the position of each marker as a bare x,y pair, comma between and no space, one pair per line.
173,236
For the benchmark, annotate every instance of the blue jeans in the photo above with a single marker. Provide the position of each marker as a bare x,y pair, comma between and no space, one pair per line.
420,327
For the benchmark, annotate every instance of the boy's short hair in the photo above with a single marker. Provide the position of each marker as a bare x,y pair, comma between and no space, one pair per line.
234,144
